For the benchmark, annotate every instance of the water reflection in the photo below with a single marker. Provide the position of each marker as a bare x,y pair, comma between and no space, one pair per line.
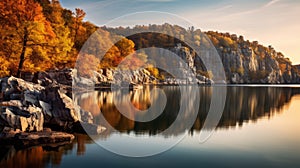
41,156
243,104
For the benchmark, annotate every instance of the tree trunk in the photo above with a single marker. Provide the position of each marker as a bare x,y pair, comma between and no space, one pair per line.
22,56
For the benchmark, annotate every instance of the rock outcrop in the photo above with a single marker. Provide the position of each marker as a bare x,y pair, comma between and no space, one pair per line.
251,63
244,62
29,107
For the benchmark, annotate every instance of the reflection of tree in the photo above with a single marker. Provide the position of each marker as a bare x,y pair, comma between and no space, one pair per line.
242,104
41,156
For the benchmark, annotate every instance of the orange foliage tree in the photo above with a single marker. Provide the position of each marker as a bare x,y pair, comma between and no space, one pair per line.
117,53
26,30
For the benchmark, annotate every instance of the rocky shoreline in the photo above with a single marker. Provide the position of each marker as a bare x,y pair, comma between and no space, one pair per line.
43,101
244,66
27,109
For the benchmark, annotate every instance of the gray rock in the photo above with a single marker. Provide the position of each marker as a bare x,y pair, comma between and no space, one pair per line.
26,119
36,105
62,106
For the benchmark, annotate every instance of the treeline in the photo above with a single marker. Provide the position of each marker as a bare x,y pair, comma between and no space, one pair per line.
171,35
225,43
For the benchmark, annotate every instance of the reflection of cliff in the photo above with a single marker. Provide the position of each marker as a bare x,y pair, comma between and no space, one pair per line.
41,156
242,104
250,104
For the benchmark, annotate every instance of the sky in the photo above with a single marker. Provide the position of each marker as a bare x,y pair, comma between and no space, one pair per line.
271,22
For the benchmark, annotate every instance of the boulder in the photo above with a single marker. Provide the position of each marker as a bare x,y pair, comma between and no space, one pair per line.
63,77
33,106
14,115
58,105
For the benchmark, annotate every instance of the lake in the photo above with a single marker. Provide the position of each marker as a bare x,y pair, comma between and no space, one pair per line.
258,126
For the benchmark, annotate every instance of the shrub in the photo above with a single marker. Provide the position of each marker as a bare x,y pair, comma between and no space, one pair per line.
155,72
207,74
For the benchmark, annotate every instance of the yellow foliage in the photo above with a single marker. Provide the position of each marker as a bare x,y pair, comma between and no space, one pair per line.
4,64
207,74
155,72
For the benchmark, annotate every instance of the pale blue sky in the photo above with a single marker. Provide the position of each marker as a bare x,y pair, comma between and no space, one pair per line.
271,22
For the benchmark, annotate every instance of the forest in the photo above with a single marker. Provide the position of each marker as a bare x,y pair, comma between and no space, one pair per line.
41,35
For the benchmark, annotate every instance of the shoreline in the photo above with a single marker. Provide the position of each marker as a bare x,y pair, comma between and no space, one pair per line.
48,104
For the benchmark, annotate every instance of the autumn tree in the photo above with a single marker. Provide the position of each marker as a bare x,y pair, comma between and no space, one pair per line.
25,28
62,43
79,30
77,27
117,53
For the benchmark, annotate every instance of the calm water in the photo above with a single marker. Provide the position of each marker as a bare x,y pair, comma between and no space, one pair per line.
260,126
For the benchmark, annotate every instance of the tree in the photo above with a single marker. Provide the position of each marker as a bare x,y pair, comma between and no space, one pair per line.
25,24
118,52
78,17
109,60
62,43
125,46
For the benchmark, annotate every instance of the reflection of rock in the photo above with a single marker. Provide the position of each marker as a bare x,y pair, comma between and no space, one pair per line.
242,104
89,128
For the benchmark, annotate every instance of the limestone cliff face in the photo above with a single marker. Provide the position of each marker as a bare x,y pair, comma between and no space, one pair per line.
245,63
249,62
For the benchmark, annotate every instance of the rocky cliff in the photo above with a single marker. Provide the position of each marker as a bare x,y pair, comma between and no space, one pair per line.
244,62
247,63
250,62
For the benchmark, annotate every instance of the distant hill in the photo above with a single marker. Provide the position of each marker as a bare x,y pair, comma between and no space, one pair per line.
244,61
